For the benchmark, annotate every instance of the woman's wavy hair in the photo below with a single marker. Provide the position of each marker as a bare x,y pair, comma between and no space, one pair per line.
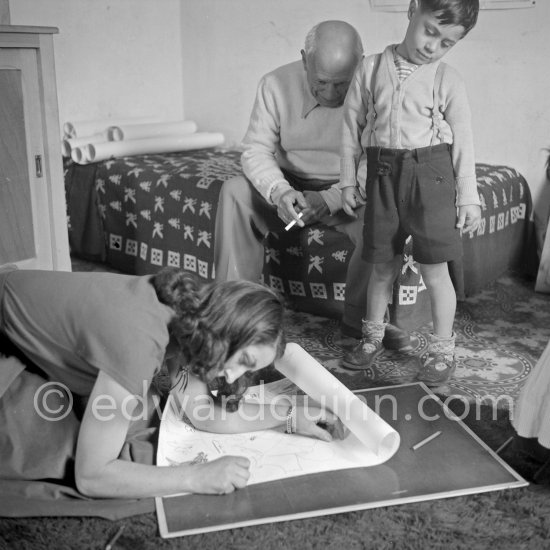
213,321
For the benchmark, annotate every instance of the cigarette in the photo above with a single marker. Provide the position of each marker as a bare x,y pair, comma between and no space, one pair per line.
293,222
424,441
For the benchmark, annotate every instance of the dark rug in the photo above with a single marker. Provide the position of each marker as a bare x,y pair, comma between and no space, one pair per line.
501,332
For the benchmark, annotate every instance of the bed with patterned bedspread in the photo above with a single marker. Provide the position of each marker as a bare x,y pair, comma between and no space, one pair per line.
140,213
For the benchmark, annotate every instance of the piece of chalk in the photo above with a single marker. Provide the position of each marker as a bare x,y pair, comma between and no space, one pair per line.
111,543
293,222
504,445
424,441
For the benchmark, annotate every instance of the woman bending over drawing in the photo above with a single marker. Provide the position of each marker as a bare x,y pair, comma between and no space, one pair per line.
102,337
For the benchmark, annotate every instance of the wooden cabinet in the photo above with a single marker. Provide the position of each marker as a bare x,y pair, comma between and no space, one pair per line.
33,219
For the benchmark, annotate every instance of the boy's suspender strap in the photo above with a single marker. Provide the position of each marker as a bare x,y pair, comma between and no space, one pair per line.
371,110
371,113
375,68
437,116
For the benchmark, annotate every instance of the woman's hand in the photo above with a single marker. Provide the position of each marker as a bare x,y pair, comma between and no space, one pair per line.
319,423
220,476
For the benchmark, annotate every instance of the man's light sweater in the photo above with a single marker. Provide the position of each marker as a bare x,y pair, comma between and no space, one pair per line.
288,129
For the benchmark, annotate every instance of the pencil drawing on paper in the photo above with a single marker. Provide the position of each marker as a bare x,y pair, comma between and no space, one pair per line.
273,454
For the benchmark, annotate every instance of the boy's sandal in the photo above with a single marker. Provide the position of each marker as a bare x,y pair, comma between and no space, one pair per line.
363,355
437,369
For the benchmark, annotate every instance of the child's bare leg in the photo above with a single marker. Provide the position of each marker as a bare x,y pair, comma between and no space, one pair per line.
378,296
439,363
380,289
442,295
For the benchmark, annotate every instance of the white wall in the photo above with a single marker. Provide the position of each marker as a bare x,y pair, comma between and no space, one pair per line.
228,45
114,58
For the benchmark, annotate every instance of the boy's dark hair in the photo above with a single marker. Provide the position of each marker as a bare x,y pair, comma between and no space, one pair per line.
452,12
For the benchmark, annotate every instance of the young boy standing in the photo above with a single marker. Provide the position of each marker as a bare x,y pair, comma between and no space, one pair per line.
409,113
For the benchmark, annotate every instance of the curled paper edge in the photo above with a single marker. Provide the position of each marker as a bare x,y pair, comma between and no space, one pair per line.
319,384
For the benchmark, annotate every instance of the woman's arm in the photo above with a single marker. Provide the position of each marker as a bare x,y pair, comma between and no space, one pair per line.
100,473
206,415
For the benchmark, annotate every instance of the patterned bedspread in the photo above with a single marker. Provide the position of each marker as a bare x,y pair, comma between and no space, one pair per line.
143,212
505,240
159,210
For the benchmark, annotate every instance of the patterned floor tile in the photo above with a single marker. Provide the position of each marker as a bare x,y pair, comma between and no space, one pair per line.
501,332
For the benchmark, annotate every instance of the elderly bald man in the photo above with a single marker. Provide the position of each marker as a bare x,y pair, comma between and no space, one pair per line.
291,165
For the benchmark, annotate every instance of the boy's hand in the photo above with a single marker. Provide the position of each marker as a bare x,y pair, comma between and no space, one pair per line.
469,217
351,199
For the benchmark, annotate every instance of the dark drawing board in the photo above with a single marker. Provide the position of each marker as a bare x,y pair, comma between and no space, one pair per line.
455,463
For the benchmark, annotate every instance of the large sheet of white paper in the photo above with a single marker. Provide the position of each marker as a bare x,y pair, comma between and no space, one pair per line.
273,454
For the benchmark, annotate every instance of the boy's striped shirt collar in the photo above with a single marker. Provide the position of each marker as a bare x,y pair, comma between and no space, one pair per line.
403,67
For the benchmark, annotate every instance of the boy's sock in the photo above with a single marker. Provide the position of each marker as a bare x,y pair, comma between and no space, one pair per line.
439,364
373,330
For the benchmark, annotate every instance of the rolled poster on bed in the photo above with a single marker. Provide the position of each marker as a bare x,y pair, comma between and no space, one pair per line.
162,144
80,155
67,145
84,128
319,384
140,131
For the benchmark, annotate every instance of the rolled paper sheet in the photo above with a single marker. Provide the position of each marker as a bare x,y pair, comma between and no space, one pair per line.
79,156
164,144
319,384
68,144
89,127
141,131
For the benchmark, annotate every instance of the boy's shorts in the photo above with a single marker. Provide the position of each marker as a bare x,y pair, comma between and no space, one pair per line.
411,192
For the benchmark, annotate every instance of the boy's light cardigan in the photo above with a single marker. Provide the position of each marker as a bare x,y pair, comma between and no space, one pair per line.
403,118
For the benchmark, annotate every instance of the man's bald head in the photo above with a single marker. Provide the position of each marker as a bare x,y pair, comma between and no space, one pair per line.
332,51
